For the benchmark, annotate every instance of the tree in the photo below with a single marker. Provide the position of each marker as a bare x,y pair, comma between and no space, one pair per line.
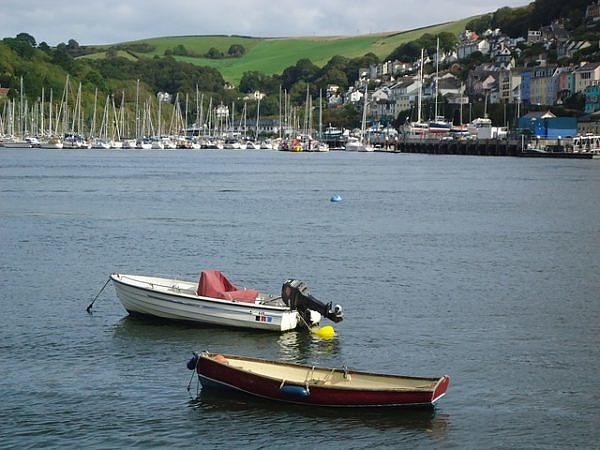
545,11
72,44
297,92
44,47
236,50
334,76
180,50
346,117
448,41
94,78
214,53
257,81
513,21
307,68
480,24
304,70
62,58
250,81
269,106
409,51
24,37
23,45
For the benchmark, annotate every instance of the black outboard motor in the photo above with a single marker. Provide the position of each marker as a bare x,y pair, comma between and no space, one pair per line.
295,294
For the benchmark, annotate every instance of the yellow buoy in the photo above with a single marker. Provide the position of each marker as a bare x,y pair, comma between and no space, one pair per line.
326,332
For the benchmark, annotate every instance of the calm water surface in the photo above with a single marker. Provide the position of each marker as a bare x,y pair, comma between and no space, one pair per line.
486,269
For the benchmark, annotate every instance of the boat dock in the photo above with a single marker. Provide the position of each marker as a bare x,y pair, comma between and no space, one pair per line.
489,147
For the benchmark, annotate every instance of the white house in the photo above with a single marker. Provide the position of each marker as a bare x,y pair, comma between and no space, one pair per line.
465,50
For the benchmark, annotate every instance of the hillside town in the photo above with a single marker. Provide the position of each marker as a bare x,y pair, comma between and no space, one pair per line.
534,87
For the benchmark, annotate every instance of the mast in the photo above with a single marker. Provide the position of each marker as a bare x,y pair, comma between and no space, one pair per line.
363,125
280,124
21,110
437,78
210,120
306,110
159,97
66,105
93,126
137,110
76,122
42,113
244,116
320,114
257,116
122,116
519,103
115,132
461,104
420,97
50,114
185,125
200,115
197,121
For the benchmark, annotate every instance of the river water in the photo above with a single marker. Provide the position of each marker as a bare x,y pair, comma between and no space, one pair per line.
485,269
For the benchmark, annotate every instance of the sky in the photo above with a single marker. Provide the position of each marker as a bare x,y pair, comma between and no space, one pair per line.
112,21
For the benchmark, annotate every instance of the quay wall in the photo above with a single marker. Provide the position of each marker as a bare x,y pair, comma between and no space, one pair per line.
490,147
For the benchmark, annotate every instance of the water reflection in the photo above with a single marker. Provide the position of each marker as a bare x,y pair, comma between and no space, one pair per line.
304,347
233,404
293,346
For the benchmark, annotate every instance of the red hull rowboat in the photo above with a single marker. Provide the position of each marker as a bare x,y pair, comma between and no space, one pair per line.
319,386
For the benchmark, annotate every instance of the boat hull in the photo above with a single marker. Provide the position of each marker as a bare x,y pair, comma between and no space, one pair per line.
176,300
294,383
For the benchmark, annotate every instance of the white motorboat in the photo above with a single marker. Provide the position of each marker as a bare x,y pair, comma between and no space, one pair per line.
355,144
51,142
481,127
26,142
214,300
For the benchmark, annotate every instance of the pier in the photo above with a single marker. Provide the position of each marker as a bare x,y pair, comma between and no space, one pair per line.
487,147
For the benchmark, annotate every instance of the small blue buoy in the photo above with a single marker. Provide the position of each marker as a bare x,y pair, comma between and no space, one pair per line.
336,199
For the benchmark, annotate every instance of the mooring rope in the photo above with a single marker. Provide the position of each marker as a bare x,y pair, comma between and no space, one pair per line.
302,319
189,386
89,308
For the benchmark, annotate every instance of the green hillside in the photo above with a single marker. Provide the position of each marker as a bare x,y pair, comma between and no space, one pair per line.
272,55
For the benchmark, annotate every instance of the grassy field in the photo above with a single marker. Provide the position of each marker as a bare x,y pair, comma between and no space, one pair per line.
273,55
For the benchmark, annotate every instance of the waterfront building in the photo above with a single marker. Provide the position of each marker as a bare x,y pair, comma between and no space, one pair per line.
545,125
586,75
589,124
592,98
405,93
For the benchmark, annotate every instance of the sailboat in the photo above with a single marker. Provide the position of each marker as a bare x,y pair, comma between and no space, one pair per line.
48,140
438,124
361,143
419,129
320,145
